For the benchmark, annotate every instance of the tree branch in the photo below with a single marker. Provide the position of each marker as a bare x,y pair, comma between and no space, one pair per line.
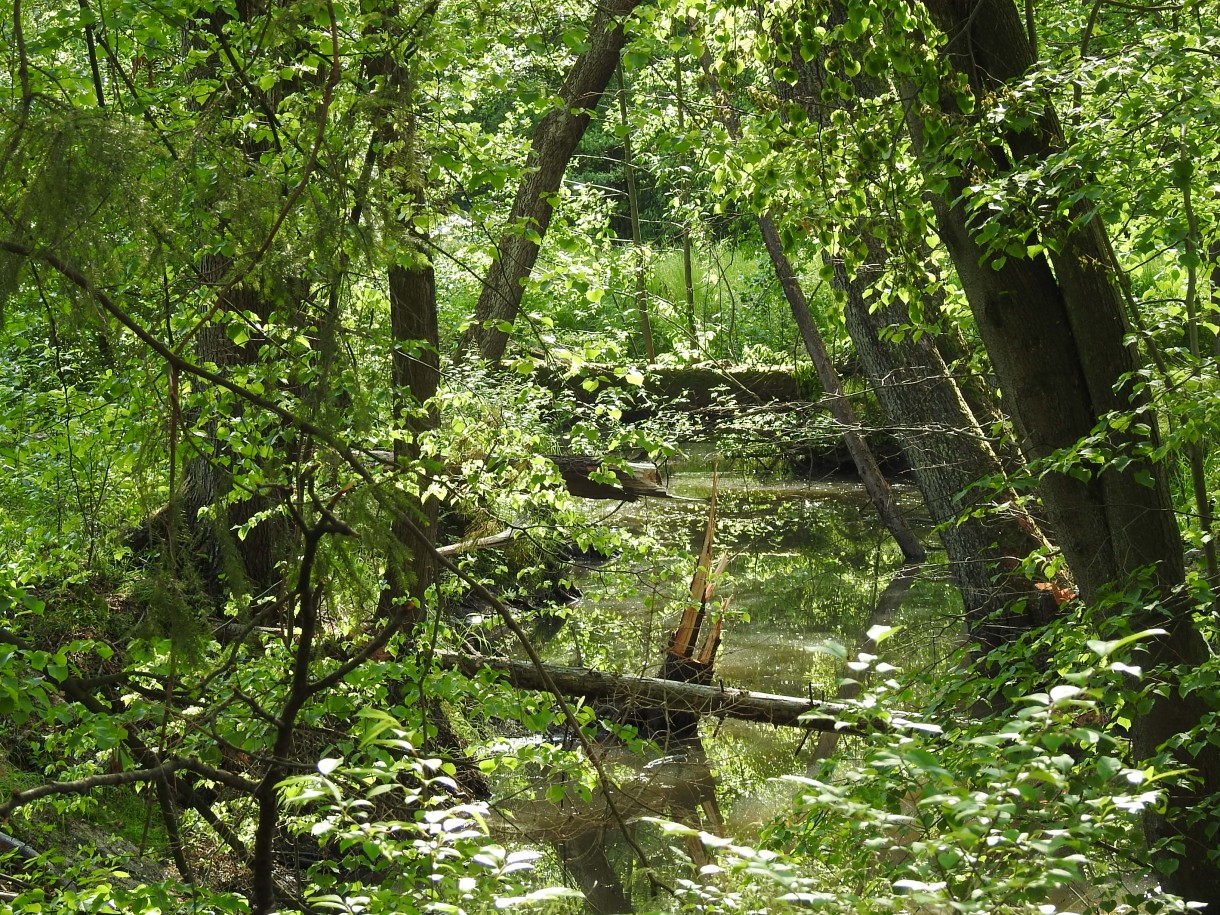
131,777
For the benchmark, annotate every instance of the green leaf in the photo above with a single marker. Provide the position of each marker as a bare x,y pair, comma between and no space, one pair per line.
635,60
1104,649
879,634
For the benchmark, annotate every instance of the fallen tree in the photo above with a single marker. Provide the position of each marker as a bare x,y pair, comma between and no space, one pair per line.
633,479
717,701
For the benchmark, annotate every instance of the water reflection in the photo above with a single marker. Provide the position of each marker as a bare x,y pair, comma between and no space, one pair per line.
809,562
810,567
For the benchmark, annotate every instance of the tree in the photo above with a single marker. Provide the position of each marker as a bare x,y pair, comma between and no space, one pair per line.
555,140
957,471
414,327
1044,297
230,265
875,484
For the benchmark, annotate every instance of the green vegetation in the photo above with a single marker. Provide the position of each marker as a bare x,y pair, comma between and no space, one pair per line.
331,332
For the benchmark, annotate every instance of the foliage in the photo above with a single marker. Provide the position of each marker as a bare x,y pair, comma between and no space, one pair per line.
203,209
1002,814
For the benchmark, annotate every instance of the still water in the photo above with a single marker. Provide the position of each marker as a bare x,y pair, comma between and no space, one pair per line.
807,564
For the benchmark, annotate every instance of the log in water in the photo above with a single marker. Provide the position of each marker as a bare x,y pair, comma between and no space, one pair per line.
714,700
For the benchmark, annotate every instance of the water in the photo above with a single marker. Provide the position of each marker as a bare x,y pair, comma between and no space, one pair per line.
809,562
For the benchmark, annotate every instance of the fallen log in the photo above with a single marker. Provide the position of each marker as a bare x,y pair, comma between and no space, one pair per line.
696,698
479,543
633,479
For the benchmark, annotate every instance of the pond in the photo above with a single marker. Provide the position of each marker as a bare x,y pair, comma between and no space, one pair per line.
808,562
808,565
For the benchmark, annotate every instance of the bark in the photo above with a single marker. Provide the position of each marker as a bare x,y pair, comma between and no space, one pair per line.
948,451
1055,333
415,372
228,564
688,266
411,565
1213,255
638,480
875,484
555,140
1198,452
949,456
1070,315
415,341
981,398
674,696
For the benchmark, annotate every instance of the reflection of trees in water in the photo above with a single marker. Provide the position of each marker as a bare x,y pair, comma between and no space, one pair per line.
808,559
808,564
586,832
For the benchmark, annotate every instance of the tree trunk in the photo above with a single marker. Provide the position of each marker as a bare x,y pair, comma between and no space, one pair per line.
688,267
1055,334
229,564
638,480
949,455
981,398
415,373
948,452
555,141
874,481
875,484
415,341
675,696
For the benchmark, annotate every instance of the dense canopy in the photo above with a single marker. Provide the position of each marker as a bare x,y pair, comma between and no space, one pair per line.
331,331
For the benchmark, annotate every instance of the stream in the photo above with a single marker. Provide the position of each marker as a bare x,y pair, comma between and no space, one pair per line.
809,564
